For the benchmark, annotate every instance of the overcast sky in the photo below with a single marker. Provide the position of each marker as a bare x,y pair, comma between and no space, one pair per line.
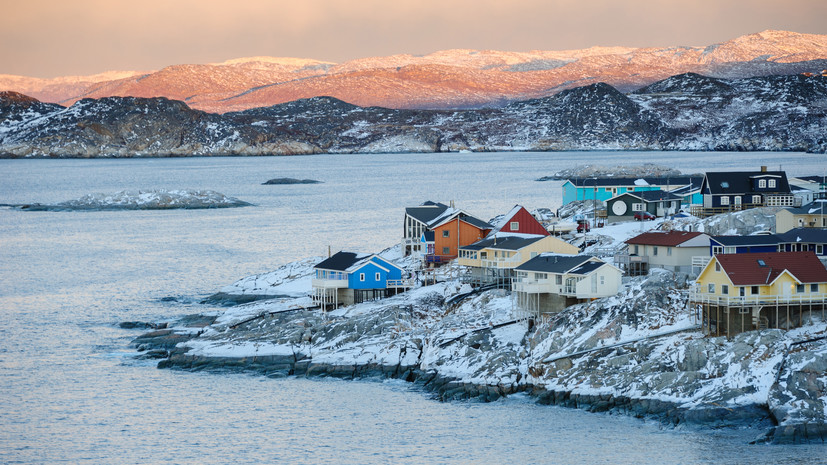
47,38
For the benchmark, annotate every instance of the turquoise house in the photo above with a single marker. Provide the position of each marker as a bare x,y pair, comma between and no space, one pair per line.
605,188
348,278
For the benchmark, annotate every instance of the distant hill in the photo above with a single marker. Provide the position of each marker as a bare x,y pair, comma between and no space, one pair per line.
683,112
451,79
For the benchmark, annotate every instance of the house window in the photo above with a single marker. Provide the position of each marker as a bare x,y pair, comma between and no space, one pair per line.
724,200
362,277
729,250
669,251
771,184
540,275
515,225
799,289
716,249
717,266
754,290
559,279
378,277
483,255
636,251
602,280
446,233
711,288
446,251
742,291
654,250
762,183
637,207
724,289
756,199
819,249
813,287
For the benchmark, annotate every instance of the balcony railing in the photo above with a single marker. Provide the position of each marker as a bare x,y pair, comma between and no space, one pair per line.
800,298
329,283
700,261
400,283
502,262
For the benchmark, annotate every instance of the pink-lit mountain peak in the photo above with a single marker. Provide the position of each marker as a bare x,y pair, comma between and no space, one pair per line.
459,78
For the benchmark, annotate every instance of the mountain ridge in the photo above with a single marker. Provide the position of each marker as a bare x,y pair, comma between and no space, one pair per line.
683,112
446,79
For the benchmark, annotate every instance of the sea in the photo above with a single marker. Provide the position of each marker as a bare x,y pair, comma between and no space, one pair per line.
73,389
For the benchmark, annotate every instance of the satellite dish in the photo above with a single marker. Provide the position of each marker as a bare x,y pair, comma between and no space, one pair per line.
619,208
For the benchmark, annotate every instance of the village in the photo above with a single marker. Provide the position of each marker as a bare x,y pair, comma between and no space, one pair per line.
699,300
771,278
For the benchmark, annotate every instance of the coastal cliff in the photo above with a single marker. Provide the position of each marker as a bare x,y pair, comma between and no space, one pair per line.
637,353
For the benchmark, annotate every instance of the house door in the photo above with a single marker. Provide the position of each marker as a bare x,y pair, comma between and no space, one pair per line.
737,202
788,291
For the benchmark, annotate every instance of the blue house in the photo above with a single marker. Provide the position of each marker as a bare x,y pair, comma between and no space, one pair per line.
740,190
743,244
347,278
803,240
605,188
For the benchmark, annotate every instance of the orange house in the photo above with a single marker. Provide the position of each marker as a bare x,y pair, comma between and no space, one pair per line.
453,230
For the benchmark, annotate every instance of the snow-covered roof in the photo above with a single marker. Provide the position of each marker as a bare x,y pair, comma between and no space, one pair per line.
341,261
451,213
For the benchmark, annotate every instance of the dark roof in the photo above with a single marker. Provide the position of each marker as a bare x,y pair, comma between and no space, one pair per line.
474,221
449,216
554,263
652,180
426,212
664,238
807,235
750,269
587,268
653,195
809,209
429,235
340,261
735,241
687,189
507,242
817,179
738,182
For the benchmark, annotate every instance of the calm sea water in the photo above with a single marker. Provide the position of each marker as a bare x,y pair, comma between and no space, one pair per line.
73,392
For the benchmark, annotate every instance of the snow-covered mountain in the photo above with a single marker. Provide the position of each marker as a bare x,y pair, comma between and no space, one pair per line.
452,79
683,112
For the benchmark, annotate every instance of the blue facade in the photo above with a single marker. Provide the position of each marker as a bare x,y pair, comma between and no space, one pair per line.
744,244
572,192
373,274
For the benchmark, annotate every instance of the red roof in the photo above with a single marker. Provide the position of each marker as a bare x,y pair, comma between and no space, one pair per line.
752,269
664,238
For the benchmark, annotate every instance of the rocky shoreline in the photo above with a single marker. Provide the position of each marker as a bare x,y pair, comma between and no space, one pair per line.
578,360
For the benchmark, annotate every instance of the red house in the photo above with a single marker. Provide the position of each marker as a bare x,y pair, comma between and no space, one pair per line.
518,220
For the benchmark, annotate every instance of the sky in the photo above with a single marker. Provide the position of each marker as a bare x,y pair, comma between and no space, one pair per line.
49,38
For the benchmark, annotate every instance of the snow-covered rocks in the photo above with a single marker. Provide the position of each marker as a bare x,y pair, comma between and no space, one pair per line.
144,200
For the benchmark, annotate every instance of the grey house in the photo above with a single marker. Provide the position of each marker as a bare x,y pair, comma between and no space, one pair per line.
659,203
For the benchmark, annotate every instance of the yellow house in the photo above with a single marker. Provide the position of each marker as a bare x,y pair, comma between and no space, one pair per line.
744,292
493,259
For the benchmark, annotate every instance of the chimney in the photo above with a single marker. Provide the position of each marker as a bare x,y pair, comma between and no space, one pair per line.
763,169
